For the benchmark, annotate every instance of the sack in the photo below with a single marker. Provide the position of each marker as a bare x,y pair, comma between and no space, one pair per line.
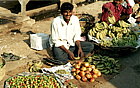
39,41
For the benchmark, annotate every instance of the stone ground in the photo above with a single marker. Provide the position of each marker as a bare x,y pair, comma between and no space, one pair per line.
18,44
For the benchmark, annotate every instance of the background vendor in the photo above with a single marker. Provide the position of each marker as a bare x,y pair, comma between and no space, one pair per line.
115,9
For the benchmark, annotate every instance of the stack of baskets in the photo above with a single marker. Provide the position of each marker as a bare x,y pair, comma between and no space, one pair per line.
2,68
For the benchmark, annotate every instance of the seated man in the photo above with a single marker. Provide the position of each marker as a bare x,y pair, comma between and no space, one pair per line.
115,9
66,35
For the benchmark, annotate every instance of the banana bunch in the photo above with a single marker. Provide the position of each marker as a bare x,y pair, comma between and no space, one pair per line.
111,19
34,66
99,31
122,23
100,26
106,43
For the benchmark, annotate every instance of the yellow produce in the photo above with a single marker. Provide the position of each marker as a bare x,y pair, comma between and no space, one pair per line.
111,20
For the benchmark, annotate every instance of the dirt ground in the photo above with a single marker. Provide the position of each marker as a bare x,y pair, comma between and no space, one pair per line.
18,44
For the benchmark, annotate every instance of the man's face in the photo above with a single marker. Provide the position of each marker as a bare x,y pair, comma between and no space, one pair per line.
67,14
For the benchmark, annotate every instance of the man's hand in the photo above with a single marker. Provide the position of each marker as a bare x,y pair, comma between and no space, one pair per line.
71,55
80,53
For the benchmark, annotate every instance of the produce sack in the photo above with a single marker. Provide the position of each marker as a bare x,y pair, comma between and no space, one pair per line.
39,41
63,72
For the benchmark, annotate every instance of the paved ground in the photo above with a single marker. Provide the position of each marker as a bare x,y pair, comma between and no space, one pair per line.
129,77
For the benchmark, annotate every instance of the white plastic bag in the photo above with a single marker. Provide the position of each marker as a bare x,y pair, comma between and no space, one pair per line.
132,21
39,41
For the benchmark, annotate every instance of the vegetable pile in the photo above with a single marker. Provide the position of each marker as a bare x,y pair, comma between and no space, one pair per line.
117,34
104,64
85,72
33,81
10,57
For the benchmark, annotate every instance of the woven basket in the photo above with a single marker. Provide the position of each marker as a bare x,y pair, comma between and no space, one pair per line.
2,70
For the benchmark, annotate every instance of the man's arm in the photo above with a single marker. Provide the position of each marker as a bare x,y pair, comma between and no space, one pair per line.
71,55
80,51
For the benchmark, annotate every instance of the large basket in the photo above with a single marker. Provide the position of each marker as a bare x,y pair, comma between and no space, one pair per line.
2,70
114,51
85,19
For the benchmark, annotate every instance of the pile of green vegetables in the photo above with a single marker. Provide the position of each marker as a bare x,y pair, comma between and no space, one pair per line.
104,64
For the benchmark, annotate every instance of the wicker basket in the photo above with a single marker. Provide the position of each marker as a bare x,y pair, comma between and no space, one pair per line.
2,70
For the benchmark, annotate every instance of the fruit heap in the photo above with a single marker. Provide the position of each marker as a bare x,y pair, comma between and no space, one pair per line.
113,35
32,81
85,72
35,66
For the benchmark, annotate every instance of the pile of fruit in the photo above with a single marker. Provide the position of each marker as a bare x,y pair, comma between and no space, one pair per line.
117,34
85,72
105,64
35,66
32,81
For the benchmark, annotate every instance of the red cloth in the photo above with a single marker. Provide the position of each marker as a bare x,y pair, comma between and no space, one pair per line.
117,11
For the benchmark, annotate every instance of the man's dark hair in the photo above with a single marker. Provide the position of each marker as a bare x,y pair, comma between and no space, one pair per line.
66,6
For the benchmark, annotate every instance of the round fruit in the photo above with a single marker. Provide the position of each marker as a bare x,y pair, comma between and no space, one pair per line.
86,64
74,73
83,68
73,69
79,62
95,76
96,71
89,69
77,71
88,75
82,73
77,66
92,66
78,77
99,74
92,80
84,79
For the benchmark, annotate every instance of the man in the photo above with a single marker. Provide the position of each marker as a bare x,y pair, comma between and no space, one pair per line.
115,9
65,36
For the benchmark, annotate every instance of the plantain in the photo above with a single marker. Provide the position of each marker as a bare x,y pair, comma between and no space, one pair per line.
94,30
111,19
98,35
104,24
122,23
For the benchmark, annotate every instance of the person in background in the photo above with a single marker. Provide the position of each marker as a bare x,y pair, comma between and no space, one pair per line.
115,9
136,11
66,35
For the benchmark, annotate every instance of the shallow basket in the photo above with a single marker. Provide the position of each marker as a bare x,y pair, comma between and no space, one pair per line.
2,70
114,51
